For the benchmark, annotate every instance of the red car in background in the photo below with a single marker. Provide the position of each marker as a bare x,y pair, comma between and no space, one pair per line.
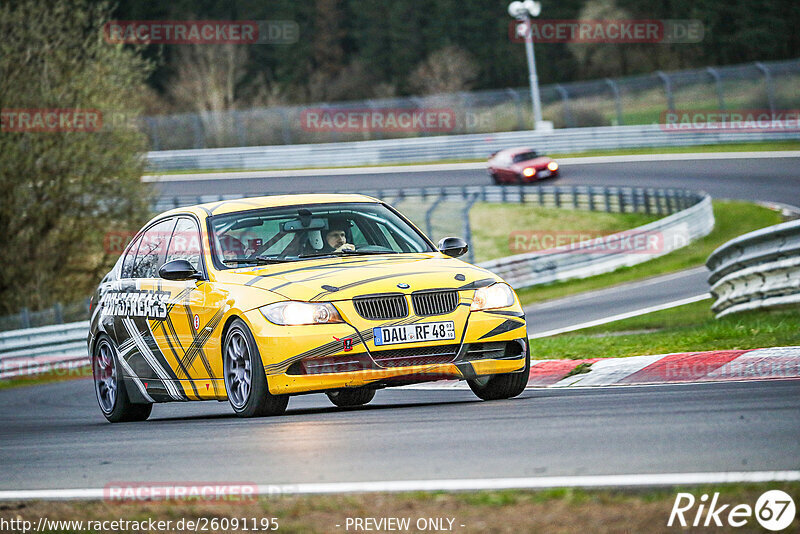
520,166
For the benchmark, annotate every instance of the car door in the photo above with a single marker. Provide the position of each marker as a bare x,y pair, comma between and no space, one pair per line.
187,336
138,302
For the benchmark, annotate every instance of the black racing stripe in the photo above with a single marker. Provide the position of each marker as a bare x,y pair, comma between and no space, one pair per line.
196,347
178,358
483,282
508,313
343,265
332,347
366,281
199,340
142,324
506,326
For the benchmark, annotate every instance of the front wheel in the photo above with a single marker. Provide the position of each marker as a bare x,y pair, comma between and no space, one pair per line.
503,386
109,387
344,398
245,380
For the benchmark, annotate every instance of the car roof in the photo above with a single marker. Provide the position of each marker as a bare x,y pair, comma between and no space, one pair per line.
271,201
514,151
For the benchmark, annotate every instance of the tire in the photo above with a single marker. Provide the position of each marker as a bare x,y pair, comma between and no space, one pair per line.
495,179
344,398
504,386
245,380
109,387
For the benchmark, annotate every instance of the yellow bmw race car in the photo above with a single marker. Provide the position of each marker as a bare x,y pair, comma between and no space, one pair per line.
257,299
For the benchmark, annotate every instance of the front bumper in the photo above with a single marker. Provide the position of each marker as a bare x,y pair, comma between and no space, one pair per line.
395,376
326,357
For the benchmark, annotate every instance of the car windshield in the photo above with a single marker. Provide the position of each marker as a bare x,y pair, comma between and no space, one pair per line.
297,233
525,156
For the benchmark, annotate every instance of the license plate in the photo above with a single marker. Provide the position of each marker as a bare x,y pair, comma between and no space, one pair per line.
543,174
413,333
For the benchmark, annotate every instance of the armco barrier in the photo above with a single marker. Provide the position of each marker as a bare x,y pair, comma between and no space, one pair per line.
543,267
437,148
35,350
760,269
689,216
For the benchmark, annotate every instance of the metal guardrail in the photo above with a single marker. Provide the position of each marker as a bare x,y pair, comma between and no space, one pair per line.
583,260
422,149
37,350
757,270
688,216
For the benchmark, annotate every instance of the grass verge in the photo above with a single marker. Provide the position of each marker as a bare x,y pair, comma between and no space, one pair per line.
733,218
553,511
496,226
58,375
729,147
686,328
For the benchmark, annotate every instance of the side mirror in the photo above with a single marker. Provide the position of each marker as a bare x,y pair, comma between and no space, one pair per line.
179,270
453,246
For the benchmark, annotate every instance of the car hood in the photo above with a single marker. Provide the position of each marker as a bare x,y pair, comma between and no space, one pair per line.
537,163
342,278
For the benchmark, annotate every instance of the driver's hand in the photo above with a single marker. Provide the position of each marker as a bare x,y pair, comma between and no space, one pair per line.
346,246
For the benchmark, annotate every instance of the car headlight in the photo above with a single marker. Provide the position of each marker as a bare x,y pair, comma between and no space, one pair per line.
529,171
292,313
497,295
553,166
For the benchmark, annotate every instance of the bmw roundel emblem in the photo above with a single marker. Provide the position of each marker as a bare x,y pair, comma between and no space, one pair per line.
403,286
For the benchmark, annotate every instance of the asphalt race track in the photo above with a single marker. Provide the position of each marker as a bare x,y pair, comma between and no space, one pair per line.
776,180
54,436
621,299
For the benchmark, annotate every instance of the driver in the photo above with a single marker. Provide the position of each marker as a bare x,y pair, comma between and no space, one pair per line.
336,237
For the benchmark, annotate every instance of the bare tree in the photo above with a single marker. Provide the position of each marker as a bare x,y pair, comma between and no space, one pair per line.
208,76
612,59
448,70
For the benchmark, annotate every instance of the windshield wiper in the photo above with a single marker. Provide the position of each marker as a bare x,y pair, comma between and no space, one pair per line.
347,252
255,261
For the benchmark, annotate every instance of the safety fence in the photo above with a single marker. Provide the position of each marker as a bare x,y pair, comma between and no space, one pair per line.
757,270
49,348
640,99
451,147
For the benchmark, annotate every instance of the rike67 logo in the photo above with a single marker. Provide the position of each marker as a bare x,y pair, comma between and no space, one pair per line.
774,510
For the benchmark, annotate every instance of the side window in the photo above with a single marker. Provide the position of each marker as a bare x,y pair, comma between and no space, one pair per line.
185,243
127,263
152,249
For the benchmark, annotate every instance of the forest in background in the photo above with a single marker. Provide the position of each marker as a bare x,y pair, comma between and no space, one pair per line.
356,49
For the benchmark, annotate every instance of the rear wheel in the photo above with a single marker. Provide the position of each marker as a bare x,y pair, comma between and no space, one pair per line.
245,380
505,386
351,397
495,179
110,387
